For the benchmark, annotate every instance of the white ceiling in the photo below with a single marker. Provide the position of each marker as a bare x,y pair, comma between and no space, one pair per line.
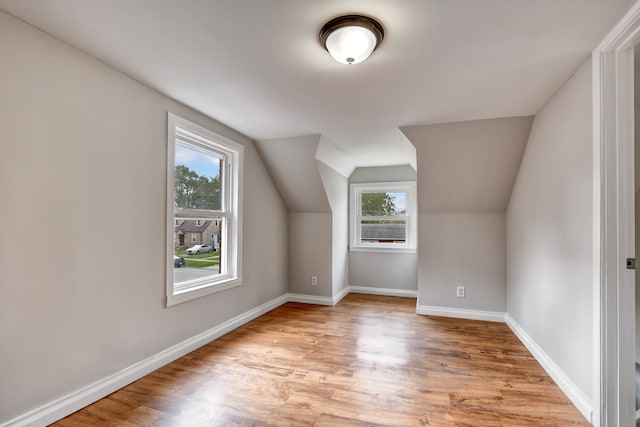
258,67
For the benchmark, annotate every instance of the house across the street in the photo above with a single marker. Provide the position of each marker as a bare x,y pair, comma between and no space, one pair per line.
189,232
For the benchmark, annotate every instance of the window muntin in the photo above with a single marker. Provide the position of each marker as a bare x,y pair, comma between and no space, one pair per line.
203,203
383,216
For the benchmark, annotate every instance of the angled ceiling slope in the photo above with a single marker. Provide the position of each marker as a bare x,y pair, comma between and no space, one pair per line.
468,166
292,165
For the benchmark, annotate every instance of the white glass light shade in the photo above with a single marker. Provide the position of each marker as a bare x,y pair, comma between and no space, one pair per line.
350,45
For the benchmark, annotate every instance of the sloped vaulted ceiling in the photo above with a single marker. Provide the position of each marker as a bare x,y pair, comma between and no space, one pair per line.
292,164
468,166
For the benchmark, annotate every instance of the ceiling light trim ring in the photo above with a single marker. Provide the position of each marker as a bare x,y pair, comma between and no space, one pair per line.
351,21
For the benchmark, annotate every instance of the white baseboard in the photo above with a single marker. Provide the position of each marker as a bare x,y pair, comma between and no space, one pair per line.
310,299
461,313
341,294
78,399
320,300
383,291
570,389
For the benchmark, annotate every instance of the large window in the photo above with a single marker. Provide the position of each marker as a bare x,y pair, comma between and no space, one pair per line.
383,217
203,211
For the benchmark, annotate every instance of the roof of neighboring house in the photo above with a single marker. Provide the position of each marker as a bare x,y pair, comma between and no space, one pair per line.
189,226
383,232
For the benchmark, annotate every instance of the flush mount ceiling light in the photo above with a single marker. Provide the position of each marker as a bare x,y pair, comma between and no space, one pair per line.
351,38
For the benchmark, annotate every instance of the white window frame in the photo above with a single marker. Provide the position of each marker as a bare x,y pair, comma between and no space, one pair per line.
355,200
194,238
230,275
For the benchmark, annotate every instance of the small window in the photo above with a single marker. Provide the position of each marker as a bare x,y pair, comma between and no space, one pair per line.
383,217
204,186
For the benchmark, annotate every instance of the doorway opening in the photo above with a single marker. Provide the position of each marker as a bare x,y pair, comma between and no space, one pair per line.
614,224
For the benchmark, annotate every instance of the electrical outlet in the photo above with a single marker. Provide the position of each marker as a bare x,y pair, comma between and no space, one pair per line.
460,291
314,280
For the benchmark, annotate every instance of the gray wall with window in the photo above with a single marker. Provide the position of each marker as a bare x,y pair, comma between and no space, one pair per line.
88,145
385,270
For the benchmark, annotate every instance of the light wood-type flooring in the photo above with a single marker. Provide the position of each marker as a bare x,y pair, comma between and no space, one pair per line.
369,361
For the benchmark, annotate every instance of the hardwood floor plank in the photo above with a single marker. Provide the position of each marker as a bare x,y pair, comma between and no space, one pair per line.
369,361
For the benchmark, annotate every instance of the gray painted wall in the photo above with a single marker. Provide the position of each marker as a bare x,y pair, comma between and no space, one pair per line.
383,270
462,249
466,172
550,232
293,166
337,188
82,178
310,249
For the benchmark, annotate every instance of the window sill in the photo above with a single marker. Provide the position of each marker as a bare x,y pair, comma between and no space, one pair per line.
190,294
385,249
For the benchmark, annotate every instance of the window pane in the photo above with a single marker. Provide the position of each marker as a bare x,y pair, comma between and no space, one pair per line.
384,204
197,249
198,226
197,177
383,231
